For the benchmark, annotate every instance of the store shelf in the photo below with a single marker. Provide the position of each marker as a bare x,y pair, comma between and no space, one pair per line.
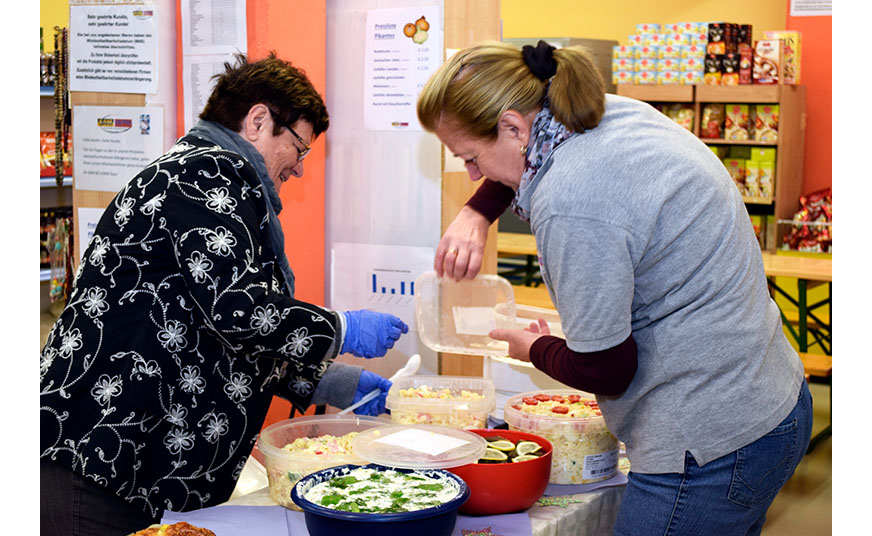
718,141
657,93
757,200
46,91
50,182
749,93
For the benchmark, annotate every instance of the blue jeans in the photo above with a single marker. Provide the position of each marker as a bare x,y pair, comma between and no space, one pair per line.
727,496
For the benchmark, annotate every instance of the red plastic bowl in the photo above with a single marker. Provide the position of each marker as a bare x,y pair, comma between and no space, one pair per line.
503,488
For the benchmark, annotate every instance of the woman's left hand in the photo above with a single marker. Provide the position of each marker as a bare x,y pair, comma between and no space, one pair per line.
520,340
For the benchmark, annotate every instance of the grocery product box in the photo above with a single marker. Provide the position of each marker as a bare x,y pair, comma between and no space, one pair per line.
768,61
623,64
676,38
691,64
742,152
791,53
623,51
766,122
752,178
761,153
691,78
667,64
644,77
714,69
693,51
712,121
645,64
672,52
746,59
736,169
736,123
645,52
647,28
653,40
767,178
636,40
683,27
622,77
668,77
730,76
717,36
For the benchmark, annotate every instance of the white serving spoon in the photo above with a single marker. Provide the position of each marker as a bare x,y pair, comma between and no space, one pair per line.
411,367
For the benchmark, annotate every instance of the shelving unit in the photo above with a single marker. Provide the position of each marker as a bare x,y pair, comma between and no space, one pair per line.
789,147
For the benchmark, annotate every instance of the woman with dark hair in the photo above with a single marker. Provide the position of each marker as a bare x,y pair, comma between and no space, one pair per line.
182,322
649,256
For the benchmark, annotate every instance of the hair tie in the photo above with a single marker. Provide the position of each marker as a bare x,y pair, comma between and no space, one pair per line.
540,60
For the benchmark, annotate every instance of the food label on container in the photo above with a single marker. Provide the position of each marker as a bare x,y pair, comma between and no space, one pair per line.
422,441
474,320
599,465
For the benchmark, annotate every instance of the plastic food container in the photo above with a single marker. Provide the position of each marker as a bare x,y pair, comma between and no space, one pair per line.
457,316
502,488
455,401
285,468
585,451
323,521
419,447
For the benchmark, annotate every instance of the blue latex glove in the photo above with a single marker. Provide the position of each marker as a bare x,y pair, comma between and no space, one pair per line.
371,334
370,381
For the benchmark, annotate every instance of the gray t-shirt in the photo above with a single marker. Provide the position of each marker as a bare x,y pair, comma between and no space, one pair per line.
641,230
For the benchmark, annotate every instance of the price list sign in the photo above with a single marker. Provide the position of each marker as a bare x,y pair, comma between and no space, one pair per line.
403,47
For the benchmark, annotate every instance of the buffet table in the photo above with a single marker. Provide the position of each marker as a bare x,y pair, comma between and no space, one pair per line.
583,514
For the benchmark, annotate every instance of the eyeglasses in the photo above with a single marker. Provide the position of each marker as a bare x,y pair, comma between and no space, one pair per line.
301,153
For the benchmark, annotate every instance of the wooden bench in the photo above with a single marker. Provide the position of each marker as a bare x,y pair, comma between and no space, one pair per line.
820,367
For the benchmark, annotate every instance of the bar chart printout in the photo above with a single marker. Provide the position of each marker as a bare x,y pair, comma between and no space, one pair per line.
392,286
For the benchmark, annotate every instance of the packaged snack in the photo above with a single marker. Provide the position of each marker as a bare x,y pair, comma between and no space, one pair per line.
622,77
761,154
699,39
716,38
691,78
730,76
712,123
766,122
714,69
672,52
623,51
736,122
691,64
645,77
645,52
667,64
736,168
47,153
681,113
812,230
676,38
644,64
791,53
768,61
653,40
635,40
752,178
693,51
647,28
668,77
766,178
746,59
623,64
758,222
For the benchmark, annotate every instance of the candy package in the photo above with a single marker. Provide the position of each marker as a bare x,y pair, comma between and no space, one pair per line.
811,228
712,121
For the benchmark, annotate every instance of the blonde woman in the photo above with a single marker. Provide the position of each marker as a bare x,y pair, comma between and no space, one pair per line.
649,256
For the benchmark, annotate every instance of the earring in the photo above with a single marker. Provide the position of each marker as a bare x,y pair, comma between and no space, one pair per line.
524,150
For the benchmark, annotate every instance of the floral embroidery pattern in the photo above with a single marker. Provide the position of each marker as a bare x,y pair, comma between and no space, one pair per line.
106,388
167,344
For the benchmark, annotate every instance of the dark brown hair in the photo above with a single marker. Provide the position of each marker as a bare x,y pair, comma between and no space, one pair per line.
283,88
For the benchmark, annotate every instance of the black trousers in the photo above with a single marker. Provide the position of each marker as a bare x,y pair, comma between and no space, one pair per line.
72,505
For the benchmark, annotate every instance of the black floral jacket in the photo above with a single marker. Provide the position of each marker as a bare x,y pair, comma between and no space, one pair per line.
157,376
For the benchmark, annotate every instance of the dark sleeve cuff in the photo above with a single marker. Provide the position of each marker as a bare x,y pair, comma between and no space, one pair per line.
491,199
607,372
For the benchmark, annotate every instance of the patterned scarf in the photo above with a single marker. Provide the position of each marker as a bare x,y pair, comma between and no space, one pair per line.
547,134
231,141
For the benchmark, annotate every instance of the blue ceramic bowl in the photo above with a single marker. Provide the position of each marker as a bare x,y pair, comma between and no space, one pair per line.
321,521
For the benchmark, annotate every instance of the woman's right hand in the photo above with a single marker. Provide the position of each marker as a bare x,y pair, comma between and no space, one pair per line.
461,248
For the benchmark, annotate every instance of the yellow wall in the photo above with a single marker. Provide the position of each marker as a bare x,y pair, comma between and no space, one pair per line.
53,13
617,19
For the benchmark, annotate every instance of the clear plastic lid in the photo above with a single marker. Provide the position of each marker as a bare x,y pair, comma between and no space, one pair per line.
456,317
465,393
419,447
